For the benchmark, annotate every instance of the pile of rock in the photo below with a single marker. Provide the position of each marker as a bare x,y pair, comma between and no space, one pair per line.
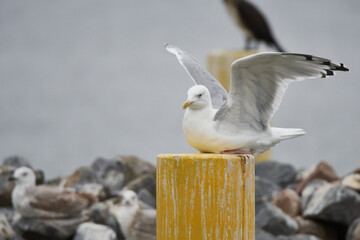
104,178
309,204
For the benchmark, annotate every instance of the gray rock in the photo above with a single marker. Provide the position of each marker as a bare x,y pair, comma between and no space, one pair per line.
353,232
6,231
145,196
281,173
9,212
99,213
265,190
263,235
135,167
93,231
110,174
145,181
6,186
271,219
299,237
332,203
16,162
35,228
318,229
81,176
311,187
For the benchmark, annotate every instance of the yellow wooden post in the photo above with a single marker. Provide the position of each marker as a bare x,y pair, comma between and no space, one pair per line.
205,196
218,64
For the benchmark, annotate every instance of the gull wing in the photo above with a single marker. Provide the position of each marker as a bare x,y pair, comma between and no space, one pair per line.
259,82
200,76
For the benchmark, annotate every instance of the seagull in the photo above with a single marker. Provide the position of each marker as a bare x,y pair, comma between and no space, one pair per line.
252,22
135,223
45,201
238,122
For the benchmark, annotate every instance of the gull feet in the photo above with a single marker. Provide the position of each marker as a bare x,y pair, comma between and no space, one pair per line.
238,151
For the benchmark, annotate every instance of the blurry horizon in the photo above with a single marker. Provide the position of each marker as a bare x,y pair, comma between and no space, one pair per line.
88,79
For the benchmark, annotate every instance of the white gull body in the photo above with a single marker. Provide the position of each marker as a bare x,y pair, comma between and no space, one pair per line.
239,122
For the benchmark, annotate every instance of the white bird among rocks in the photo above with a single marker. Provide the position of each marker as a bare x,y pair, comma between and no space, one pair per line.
45,201
238,123
136,223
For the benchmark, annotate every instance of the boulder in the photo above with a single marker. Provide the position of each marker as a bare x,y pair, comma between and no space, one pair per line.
265,190
299,237
353,232
271,219
320,230
9,213
93,231
332,203
81,176
352,181
322,171
6,231
42,228
136,167
145,196
289,202
145,181
6,186
263,235
282,174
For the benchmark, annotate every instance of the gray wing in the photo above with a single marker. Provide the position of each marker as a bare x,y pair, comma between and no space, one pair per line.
259,82
200,76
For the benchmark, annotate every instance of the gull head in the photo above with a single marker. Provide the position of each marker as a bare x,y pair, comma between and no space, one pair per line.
128,198
198,97
24,176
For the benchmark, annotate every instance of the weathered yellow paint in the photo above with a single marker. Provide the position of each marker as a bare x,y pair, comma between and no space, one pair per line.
205,197
218,64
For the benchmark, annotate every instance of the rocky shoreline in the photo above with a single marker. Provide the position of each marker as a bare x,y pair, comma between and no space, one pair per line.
307,204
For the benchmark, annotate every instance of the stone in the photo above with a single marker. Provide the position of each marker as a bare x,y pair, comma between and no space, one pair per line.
100,213
110,174
289,202
6,186
265,190
352,181
305,172
16,162
312,187
299,237
81,176
332,203
271,219
136,167
353,232
145,181
263,235
145,196
280,173
9,213
6,231
322,171
320,230
93,231
38,228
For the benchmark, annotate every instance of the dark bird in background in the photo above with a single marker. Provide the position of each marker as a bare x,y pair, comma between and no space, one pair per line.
252,22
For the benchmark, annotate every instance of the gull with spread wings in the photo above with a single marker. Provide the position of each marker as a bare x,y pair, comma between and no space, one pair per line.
238,122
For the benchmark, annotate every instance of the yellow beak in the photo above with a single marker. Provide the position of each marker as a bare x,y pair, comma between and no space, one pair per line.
186,104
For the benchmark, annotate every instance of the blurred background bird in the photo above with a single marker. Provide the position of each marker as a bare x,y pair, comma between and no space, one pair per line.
253,23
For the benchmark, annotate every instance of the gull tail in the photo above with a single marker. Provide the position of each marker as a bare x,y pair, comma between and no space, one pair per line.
286,133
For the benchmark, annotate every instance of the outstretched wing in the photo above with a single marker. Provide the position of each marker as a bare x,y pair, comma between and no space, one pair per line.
200,76
259,82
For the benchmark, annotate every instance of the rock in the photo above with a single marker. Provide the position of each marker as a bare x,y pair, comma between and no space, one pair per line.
145,196
309,190
37,228
305,172
81,176
353,232
265,190
322,171
136,167
93,231
6,231
110,174
6,186
145,181
289,202
263,235
299,237
271,219
352,181
99,213
281,173
16,162
332,203
320,230
9,213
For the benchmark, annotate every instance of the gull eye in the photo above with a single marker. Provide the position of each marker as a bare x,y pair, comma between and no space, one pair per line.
199,95
24,174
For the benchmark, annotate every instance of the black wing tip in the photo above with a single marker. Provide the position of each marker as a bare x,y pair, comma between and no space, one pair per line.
342,68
